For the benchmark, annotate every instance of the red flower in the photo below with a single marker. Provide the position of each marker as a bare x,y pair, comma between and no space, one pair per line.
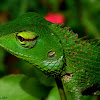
55,18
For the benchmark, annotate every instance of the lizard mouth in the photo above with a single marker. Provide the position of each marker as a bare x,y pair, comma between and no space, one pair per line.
14,52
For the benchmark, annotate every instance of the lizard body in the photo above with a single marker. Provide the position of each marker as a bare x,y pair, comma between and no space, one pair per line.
56,51
82,64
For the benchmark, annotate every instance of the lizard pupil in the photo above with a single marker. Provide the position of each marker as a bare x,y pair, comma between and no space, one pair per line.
21,38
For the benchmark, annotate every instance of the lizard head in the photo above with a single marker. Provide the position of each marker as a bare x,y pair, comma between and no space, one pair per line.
35,43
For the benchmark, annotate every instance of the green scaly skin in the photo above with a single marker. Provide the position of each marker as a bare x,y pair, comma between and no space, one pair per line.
56,51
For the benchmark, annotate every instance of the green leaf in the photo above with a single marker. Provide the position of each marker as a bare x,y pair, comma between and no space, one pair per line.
31,71
54,94
21,87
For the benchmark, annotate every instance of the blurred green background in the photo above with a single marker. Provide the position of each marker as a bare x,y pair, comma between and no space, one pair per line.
81,15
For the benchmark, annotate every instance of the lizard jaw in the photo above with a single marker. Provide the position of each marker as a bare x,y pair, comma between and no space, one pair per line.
14,52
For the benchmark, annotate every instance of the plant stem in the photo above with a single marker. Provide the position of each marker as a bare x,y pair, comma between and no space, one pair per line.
61,89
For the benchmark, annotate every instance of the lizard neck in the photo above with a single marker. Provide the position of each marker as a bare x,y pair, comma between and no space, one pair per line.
64,36
58,31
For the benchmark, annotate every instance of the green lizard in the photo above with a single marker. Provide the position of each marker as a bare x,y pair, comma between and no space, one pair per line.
56,51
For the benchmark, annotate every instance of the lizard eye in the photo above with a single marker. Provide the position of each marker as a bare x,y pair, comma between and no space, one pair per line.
51,54
26,38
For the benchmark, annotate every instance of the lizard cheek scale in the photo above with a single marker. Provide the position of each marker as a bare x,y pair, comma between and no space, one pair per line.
52,64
